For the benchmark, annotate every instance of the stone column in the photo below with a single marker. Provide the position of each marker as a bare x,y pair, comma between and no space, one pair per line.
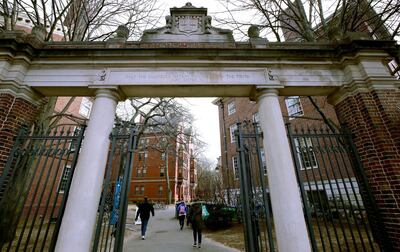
370,107
290,226
78,222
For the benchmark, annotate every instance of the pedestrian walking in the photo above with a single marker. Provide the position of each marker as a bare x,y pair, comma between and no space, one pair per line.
195,218
182,211
144,212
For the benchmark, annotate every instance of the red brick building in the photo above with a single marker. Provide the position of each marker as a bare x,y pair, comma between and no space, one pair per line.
158,172
298,111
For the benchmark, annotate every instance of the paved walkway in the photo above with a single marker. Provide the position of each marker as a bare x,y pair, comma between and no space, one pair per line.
163,235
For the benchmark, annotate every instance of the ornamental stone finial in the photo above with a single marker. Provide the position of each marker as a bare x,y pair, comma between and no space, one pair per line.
122,32
253,31
39,31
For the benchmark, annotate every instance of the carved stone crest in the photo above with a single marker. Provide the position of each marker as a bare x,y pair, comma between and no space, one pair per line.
188,24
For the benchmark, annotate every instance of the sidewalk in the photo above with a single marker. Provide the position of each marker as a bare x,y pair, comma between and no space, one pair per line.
163,235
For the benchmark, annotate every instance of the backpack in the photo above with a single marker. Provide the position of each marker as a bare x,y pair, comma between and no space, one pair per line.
181,210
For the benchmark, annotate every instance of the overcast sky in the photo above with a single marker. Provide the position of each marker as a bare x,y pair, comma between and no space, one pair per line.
206,124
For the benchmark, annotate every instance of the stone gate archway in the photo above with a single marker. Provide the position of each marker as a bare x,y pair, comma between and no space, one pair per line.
189,57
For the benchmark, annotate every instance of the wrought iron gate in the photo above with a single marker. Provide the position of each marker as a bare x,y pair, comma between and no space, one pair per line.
336,197
34,187
111,219
254,198
338,204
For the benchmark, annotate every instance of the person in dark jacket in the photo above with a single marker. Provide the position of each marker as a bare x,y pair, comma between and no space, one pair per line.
195,218
144,211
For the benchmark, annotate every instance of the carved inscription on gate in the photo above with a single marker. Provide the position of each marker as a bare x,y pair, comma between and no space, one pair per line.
187,77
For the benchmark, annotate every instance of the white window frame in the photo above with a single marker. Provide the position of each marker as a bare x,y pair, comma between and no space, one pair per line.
235,167
85,107
231,108
294,108
263,160
64,178
304,150
232,129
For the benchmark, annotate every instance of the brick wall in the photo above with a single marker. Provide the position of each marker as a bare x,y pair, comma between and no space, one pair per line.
374,119
13,113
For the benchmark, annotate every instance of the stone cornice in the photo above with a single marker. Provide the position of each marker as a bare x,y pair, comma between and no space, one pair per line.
23,92
363,86
20,43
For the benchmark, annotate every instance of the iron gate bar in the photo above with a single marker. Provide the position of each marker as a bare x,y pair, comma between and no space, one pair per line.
335,176
244,188
106,185
6,170
324,188
43,189
264,192
318,195
76,145
313,145
351,206
123,143
302,191
78,142
304,136
126,189
32,159
373,210
34,195
356,198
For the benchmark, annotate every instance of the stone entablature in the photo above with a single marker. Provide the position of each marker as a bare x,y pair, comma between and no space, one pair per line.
69,68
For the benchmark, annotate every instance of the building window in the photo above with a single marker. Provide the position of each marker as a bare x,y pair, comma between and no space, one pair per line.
231,108
144,143
160,189
85,108
142,190
162,171
256,119
305,153
143,156
139,172
232,129
144,171
263,161
137,192
64,178
163,155
235,166
293,106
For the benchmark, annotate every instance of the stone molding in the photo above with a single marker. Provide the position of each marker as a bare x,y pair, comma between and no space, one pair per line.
22,92
363,73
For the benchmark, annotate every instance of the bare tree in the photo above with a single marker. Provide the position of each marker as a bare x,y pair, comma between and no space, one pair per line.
209,182
81,19
169,122
311,20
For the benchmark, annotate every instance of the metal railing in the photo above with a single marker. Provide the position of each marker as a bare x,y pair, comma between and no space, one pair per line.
111,219
36,182
334,190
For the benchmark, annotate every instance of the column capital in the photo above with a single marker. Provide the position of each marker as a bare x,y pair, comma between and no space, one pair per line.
113,93
262,92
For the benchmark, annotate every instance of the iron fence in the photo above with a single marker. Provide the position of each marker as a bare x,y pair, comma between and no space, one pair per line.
111,219
333,189
254,197
35,183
